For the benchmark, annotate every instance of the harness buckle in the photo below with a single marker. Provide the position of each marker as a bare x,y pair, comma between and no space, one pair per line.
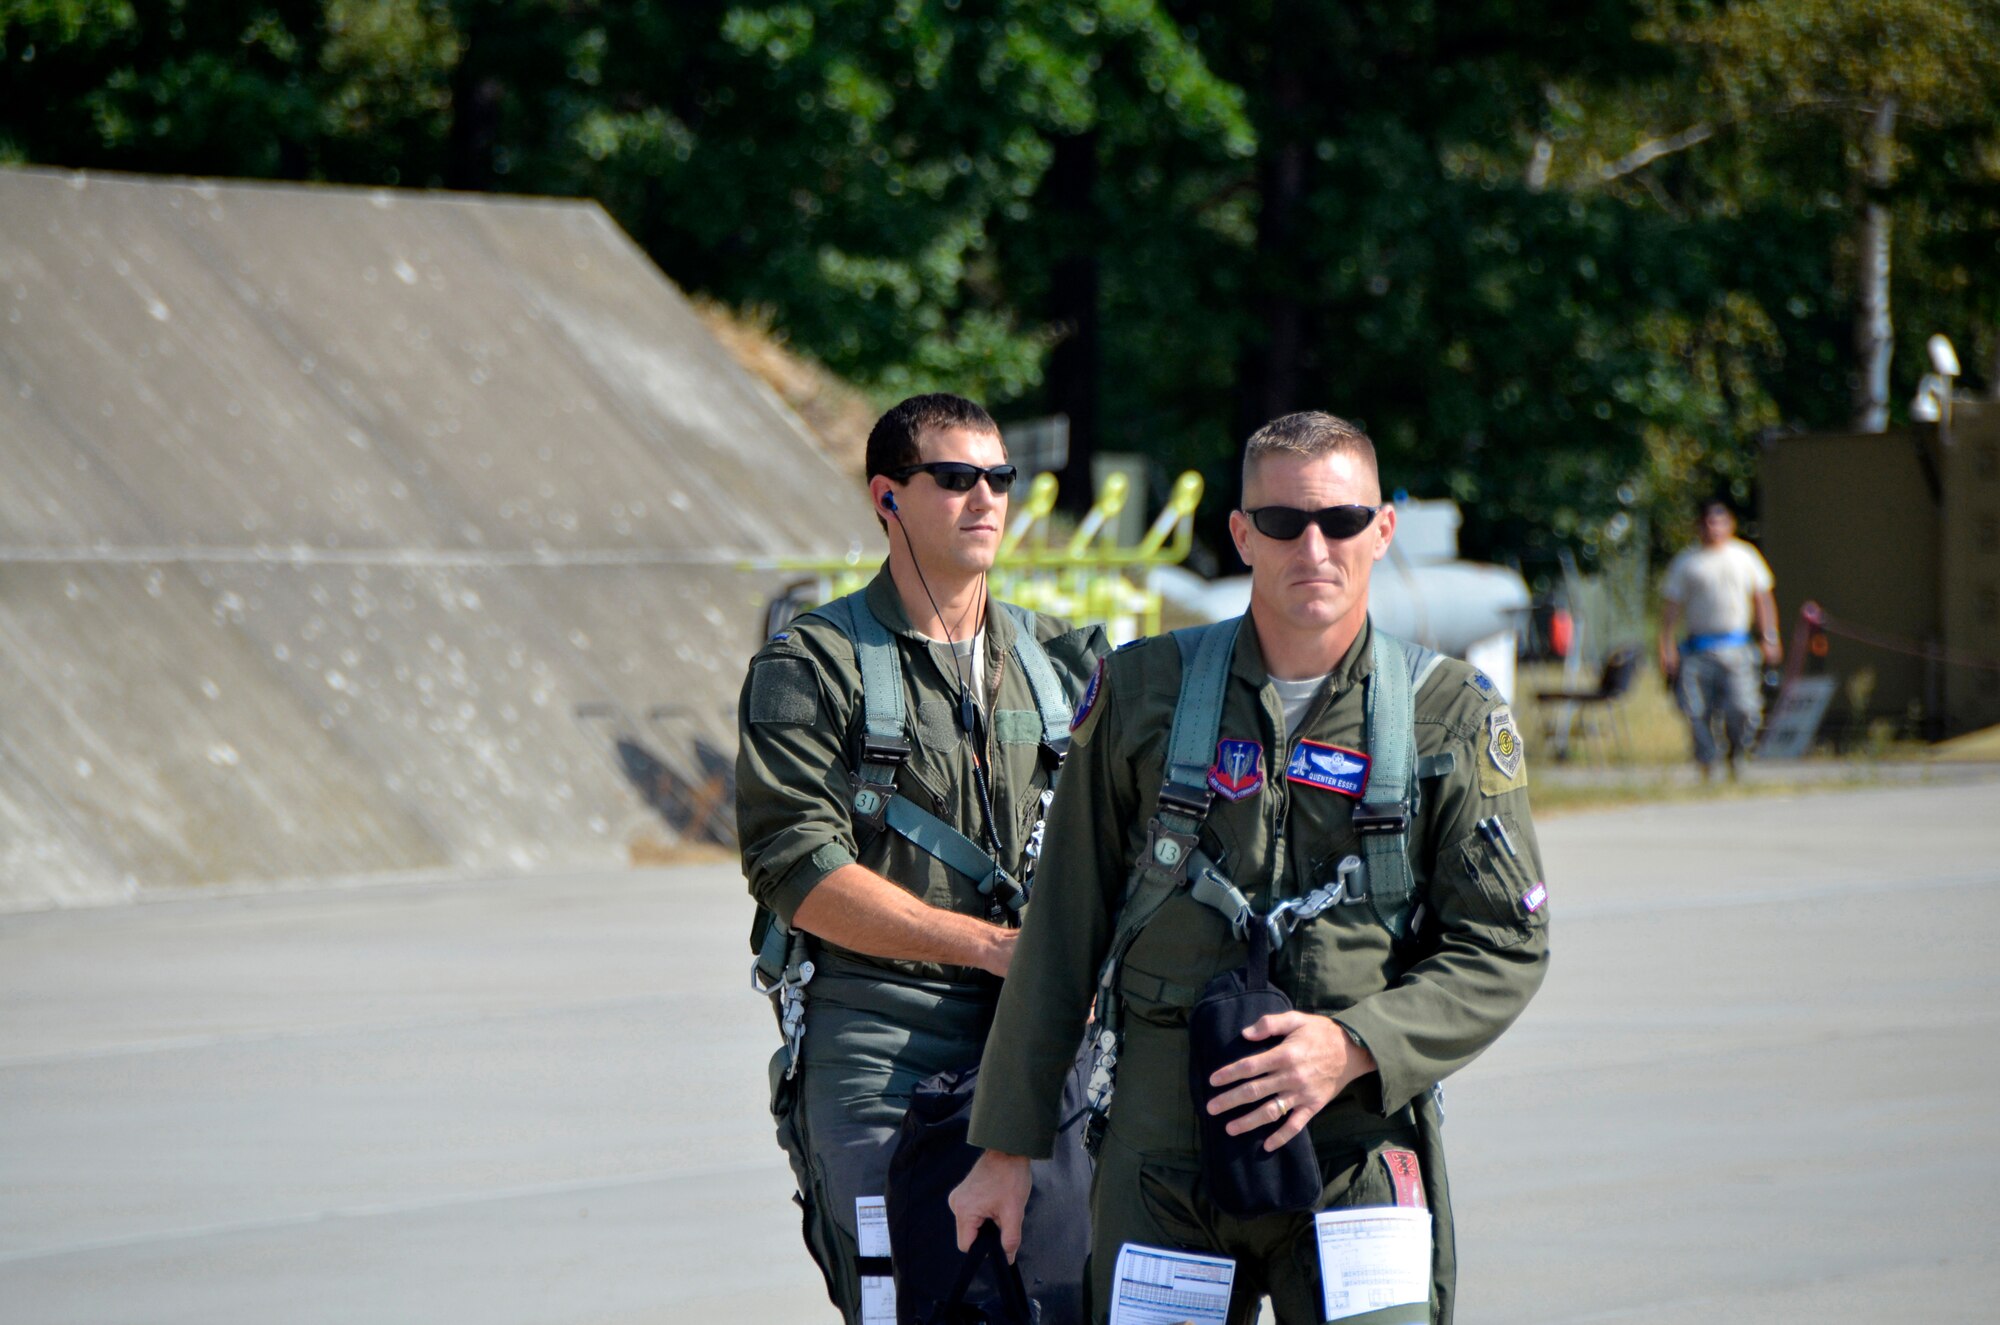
1280,921
1194,802
1001,889
1382,817
891,750
1345,875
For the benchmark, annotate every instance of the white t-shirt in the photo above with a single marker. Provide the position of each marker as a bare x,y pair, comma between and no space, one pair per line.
1296,697
1714,586
970,655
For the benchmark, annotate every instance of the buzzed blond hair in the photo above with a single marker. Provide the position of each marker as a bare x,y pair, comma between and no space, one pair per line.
1310,434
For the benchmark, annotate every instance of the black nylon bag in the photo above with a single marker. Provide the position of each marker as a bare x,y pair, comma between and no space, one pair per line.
1243,1178
987,1253
931,1157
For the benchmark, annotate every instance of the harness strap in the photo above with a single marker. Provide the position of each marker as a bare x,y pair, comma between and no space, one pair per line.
1171,855
1174,831
1050,698
883,715
1383,820
885,747
932,835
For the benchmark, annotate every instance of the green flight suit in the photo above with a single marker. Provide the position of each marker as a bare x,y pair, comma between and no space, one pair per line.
1424,1007
874,1027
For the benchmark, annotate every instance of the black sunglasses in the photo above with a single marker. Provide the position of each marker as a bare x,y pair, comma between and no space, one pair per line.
957,476
1288,522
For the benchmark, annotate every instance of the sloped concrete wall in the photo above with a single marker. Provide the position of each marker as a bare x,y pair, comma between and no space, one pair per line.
323,511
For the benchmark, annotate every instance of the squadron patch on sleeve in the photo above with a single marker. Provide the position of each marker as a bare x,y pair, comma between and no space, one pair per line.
1082,725
783,690
1504,752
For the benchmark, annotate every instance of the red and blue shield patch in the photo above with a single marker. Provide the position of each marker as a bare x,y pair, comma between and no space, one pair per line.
1238,770
1089,696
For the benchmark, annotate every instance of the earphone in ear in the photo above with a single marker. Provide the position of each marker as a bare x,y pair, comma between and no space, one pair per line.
889,501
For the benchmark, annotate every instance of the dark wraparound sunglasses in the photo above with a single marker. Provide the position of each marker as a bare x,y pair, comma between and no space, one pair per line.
956,476
1288,522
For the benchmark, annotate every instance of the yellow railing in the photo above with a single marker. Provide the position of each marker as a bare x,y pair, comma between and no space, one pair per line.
1088,578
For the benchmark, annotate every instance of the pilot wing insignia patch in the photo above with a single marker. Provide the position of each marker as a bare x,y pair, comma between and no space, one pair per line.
1329,767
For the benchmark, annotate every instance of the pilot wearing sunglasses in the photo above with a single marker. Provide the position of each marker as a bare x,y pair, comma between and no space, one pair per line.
894,947
1396,979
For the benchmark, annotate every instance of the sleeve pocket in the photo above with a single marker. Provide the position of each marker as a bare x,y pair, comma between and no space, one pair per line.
1502,897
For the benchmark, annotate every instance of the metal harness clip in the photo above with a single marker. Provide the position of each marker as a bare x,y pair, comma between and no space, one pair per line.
1382,817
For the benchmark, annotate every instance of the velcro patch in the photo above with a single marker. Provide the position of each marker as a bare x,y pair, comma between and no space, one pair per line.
937,723
1329,767
1017,726
783,690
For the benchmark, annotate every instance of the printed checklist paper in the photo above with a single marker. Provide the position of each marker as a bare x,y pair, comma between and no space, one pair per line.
1160,1287
1373,1257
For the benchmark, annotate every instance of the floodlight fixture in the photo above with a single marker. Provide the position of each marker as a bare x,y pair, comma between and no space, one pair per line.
1943,357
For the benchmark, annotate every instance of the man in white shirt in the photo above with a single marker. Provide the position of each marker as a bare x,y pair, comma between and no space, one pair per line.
1712,594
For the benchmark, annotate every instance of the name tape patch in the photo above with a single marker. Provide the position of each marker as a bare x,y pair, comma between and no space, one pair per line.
1329,767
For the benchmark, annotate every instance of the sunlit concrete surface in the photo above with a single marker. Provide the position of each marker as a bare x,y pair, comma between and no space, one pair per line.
1757,1087
324,509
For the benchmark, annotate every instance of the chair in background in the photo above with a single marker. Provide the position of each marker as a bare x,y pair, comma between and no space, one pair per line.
1568,713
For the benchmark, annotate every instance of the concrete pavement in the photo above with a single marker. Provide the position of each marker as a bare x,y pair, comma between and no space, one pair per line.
1757,1087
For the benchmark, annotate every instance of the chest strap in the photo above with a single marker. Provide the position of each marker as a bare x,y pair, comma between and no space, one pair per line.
876,802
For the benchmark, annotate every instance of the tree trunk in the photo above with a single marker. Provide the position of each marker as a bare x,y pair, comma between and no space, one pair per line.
1270,367
475,116
1873,332
1076,364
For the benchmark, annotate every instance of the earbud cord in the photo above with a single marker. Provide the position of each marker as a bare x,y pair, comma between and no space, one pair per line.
968,712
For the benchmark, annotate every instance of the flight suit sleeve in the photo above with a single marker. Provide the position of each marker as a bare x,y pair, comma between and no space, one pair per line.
1043,1006
792,816
1485,921
1075,654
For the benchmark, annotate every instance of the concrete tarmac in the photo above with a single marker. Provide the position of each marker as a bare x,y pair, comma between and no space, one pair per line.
1758,1086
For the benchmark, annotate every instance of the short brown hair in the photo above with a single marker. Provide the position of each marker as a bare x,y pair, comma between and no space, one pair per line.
1309,434
893,442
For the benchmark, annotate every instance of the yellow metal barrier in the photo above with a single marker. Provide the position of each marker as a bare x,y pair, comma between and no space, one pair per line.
1087,579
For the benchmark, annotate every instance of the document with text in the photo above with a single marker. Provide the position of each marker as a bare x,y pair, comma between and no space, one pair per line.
1373,1257
1157,1286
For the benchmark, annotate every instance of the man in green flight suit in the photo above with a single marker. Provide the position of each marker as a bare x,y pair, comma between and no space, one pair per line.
1380,1015
891,827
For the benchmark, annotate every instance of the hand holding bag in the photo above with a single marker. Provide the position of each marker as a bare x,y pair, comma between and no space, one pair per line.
1243,1178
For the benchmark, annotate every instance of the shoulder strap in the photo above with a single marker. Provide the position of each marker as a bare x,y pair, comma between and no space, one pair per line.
1383,819
1205,656
1175,828
1050,697
883,712
1422,662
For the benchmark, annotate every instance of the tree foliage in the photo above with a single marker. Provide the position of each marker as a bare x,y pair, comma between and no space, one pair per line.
1568,259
